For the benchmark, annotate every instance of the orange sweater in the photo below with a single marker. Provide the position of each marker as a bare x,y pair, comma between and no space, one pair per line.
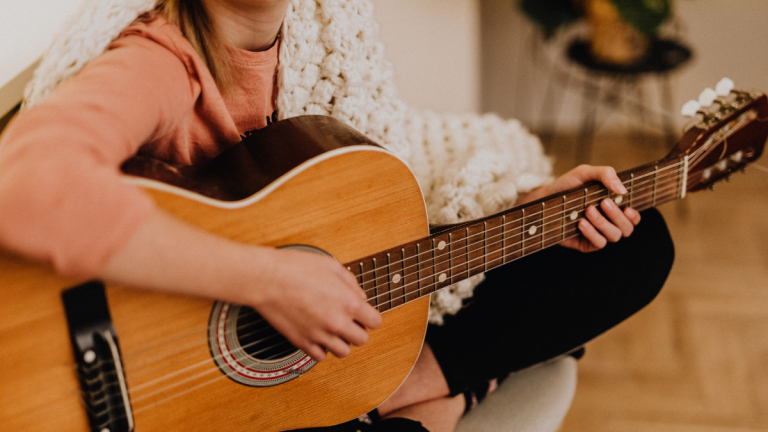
61,197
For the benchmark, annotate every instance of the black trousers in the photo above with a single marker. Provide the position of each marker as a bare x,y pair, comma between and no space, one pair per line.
550,303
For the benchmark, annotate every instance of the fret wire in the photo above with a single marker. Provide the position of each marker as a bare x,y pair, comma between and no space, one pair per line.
562,221
485,245
418,268
503,239
543,213
431,266
655,171
410,271
522,233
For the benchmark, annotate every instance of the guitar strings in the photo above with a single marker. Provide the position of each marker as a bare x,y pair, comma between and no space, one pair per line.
462,265
207,361
633,181
694,183
532,247
138,399
193,388
524,251
377,280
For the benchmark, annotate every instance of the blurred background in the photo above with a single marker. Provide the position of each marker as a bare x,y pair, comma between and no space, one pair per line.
697,358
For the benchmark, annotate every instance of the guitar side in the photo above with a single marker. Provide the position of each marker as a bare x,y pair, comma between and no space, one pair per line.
350,202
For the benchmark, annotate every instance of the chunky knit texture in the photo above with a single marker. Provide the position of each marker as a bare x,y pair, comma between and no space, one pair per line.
332,63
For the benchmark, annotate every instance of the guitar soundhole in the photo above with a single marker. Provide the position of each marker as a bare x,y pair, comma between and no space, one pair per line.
259,339
248,350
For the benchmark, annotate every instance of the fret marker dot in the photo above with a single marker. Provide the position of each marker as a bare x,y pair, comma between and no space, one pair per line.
442,277
396,278
618,199
89,356
441,245
532,230
574,215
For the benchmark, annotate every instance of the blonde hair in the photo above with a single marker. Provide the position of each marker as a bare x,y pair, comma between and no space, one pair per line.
192,18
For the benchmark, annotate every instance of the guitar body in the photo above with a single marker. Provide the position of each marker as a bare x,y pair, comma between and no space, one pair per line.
348,201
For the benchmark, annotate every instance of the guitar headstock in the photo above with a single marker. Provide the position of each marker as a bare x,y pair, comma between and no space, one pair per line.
728,131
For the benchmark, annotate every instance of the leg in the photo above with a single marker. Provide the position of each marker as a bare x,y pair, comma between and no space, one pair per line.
436,415
550,303
425,382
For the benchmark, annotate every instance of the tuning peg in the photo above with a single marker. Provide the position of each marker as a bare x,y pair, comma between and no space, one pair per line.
724,87
691,108
707,97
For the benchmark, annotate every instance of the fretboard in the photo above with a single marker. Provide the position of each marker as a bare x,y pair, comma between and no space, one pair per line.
452,254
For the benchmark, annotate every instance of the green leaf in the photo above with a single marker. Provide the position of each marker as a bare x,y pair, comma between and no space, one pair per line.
645,15
550,15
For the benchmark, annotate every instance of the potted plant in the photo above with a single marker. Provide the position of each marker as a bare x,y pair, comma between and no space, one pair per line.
620,29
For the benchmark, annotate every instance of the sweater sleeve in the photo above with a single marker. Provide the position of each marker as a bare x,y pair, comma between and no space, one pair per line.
62,199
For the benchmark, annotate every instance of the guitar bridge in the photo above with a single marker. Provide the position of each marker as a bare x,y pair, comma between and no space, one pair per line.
97,353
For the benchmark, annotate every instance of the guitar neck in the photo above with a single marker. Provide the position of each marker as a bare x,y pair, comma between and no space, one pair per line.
454,253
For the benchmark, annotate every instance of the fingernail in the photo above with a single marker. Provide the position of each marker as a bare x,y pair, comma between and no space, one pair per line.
592,211
608,203
618,186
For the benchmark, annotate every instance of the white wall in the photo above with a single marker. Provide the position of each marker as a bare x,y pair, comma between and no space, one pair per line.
435,48
27,27
434,45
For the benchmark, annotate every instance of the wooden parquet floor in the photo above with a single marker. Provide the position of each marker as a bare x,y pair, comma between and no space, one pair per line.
696,359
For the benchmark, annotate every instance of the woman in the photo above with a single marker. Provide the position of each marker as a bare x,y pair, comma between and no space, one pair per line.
186,81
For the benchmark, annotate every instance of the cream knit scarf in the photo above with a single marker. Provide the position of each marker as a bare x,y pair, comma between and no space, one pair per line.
332,63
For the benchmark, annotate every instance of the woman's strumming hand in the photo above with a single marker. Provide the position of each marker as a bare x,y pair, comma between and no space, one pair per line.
315,303
598,228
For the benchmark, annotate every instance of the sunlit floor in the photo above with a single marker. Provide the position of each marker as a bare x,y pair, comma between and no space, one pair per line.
696,359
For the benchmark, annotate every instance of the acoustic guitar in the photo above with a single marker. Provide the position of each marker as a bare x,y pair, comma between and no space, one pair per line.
81,355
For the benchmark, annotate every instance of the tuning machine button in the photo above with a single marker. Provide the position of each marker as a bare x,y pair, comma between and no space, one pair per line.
724,87
691,108
707,97
736,157
722,165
